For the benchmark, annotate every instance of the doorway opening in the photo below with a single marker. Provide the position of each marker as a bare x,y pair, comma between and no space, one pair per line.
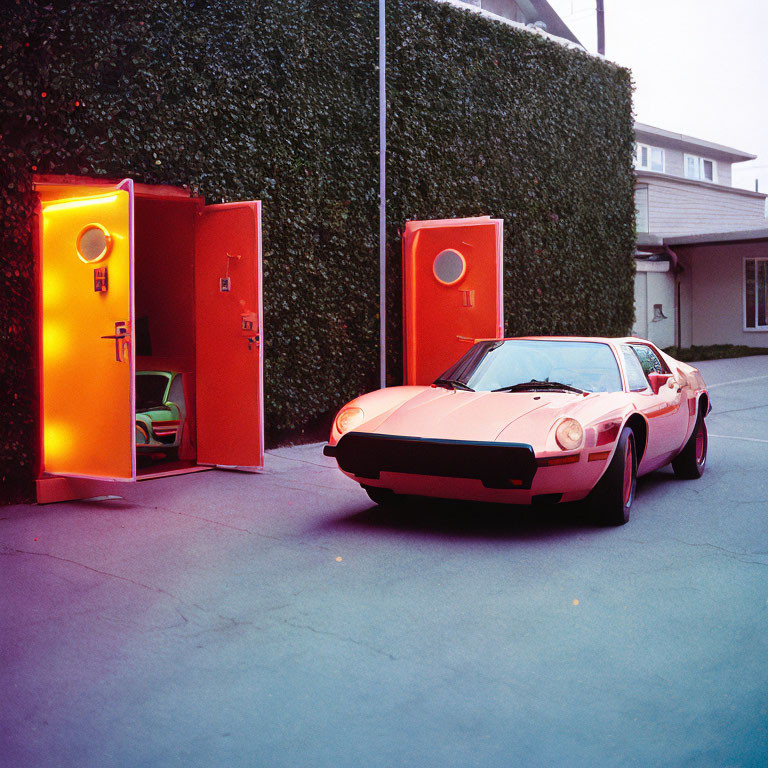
164,335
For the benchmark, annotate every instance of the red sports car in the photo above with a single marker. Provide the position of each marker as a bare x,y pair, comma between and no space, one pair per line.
531,420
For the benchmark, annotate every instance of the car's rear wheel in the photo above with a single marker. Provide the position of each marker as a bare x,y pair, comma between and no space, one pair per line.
692,460
612,497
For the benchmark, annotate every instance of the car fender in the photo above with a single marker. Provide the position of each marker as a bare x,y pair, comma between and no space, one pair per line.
698,403
638,423
377,406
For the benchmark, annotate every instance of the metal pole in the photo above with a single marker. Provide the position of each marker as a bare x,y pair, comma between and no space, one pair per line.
382,198
600,28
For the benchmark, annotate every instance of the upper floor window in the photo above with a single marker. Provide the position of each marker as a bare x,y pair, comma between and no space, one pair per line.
756,294
700,168
649,158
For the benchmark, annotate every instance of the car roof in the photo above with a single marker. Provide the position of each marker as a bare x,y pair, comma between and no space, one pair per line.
600,339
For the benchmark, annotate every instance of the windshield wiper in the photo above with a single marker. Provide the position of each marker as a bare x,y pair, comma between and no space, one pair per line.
536,384
452,384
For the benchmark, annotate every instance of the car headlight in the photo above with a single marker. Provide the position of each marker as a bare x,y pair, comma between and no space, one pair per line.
349,418
569,434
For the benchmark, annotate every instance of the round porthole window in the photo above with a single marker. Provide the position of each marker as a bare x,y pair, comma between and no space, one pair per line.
449,267
93,243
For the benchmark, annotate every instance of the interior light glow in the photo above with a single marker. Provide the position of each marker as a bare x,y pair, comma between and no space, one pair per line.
53,290
55,341
57,440
68,205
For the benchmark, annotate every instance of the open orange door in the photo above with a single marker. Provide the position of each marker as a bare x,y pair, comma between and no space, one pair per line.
452,291
230,421
87,356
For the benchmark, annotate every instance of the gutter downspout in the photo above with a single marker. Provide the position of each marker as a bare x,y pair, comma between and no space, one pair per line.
674,264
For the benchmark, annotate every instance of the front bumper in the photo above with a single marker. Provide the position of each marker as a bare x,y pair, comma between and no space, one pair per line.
472,470
495,465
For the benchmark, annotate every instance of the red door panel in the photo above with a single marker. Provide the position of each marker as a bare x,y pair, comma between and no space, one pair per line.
229,367
452,291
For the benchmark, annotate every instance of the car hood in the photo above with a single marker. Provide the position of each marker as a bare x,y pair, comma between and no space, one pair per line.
439,413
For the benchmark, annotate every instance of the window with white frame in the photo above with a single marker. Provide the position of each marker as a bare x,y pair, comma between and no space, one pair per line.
756,294
649,158
700,168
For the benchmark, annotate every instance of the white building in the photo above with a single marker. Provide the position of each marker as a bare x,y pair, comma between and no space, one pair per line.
682,190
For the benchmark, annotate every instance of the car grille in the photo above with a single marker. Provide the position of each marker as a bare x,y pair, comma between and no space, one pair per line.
497,465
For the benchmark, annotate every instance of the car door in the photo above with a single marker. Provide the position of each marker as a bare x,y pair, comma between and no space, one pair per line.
673,413
663,411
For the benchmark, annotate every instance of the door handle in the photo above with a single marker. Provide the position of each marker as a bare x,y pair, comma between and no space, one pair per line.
122,339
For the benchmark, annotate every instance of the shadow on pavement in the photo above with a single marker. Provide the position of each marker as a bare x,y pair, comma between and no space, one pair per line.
471,520
474,520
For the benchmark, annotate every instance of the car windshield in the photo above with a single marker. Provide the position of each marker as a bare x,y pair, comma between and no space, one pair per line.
520,364
150,390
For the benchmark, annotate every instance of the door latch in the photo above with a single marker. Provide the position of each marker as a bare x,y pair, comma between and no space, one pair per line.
122,339
254,340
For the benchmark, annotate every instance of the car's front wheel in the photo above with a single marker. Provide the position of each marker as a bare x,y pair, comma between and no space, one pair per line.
142,434
692,460
380,496
611,499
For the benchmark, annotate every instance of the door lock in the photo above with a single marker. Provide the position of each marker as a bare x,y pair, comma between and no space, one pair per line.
122,339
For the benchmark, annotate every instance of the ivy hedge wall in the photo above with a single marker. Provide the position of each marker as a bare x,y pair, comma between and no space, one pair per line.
277,100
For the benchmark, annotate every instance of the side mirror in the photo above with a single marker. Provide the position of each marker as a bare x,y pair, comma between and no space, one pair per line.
658,380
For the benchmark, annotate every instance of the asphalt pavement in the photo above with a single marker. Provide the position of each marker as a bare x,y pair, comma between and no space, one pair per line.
282,619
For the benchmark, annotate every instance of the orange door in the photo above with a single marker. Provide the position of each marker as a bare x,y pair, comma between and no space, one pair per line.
87,356
452,291
230,422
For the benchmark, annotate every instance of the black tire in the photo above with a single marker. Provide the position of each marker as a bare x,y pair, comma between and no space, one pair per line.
691,462
611,499
381,496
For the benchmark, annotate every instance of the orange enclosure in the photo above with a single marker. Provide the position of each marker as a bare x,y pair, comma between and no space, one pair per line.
130,270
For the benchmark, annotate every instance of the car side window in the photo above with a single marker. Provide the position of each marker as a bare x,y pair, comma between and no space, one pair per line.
648,359
636,379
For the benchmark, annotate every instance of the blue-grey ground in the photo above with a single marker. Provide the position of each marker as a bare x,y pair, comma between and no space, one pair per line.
281,619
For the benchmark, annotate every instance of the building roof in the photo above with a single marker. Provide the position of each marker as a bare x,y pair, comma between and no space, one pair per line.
740,235
646,176
541,10
533,11
652,135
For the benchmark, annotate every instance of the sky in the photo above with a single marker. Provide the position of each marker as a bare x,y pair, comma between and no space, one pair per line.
700,67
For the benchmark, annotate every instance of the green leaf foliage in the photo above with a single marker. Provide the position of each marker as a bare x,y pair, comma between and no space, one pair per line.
278,100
